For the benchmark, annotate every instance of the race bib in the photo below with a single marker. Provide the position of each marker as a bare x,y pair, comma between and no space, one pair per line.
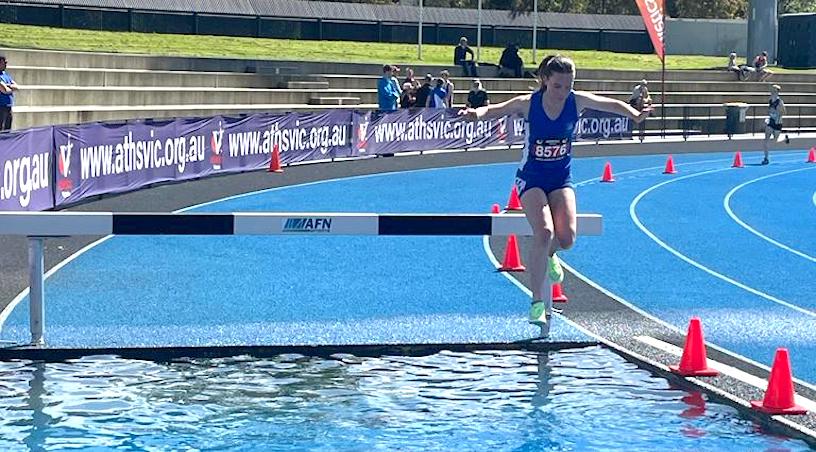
547,150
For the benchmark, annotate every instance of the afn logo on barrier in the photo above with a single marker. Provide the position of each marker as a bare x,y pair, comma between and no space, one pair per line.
307,225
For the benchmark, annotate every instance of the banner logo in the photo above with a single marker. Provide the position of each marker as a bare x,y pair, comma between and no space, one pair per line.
216,143
65,185
362,130
307,225
502,129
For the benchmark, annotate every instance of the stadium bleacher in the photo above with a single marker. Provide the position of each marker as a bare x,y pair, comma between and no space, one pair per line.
76,87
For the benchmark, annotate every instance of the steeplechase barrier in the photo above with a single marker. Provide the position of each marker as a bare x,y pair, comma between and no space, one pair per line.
38,226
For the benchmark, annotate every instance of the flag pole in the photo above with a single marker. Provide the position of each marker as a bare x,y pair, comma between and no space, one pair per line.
663,94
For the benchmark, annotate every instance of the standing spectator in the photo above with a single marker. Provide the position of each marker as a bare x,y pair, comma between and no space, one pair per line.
409,78
460,53
448,86
640,97
641,100
510,63
387,91
424,92
7,88
408,98
761,66
438,95
773,124
477,97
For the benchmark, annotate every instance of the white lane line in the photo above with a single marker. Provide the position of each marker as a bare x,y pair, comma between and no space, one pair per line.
671,327
727,206
725,369
24,293
688,260
4,314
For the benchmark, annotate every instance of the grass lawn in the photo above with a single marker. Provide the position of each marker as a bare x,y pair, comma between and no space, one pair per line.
24,36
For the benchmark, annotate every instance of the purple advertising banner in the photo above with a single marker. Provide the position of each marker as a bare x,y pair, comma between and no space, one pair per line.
110,158
248,142
102,158
26,170
598,125
426,129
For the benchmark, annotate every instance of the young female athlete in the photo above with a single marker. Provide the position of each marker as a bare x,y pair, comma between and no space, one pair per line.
543,177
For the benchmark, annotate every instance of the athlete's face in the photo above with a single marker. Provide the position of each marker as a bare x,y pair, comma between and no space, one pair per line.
558,85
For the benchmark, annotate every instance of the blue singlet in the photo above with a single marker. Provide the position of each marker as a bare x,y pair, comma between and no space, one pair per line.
545,162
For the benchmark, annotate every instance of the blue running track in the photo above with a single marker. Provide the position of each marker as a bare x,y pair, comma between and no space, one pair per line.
733,246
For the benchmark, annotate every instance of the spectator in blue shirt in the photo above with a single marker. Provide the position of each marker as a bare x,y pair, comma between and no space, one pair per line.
388,92
7,89
438,95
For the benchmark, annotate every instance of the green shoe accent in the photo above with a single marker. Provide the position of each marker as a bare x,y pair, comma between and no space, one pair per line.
538,313
555,272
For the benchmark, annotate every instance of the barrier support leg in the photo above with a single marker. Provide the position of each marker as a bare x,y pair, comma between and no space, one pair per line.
35,296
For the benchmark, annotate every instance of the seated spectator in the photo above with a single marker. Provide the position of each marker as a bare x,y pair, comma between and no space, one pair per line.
510,63
438,95
733,66
460,53
743,71
477,97
424,92
388,92
408,98
761,66
640,97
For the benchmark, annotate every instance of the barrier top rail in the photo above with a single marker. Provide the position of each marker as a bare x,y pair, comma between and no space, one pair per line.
60,224
38,226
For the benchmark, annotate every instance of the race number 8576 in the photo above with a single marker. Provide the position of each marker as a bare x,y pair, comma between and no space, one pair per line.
550,151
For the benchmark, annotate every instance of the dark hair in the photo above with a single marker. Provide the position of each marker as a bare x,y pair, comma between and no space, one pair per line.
555,63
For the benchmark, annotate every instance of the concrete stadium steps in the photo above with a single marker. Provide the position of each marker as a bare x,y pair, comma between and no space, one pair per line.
68,59
40,116
54,76
36,116
525,85
147,95
718,109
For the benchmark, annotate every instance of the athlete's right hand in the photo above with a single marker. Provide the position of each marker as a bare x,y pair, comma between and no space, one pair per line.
469,114
643,114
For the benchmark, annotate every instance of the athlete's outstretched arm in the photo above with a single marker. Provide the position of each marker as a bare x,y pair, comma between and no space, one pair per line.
591,101
519,105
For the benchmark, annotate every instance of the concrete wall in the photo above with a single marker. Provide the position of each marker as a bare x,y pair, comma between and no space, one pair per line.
715,37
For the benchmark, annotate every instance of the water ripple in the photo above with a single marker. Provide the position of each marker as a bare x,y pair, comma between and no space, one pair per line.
569,400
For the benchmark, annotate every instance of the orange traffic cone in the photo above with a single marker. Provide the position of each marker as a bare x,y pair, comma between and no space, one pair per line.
737,160
607,173
512,257
495,209
669,166
274,162
694,363
779,397
812,155
514,203
558,296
